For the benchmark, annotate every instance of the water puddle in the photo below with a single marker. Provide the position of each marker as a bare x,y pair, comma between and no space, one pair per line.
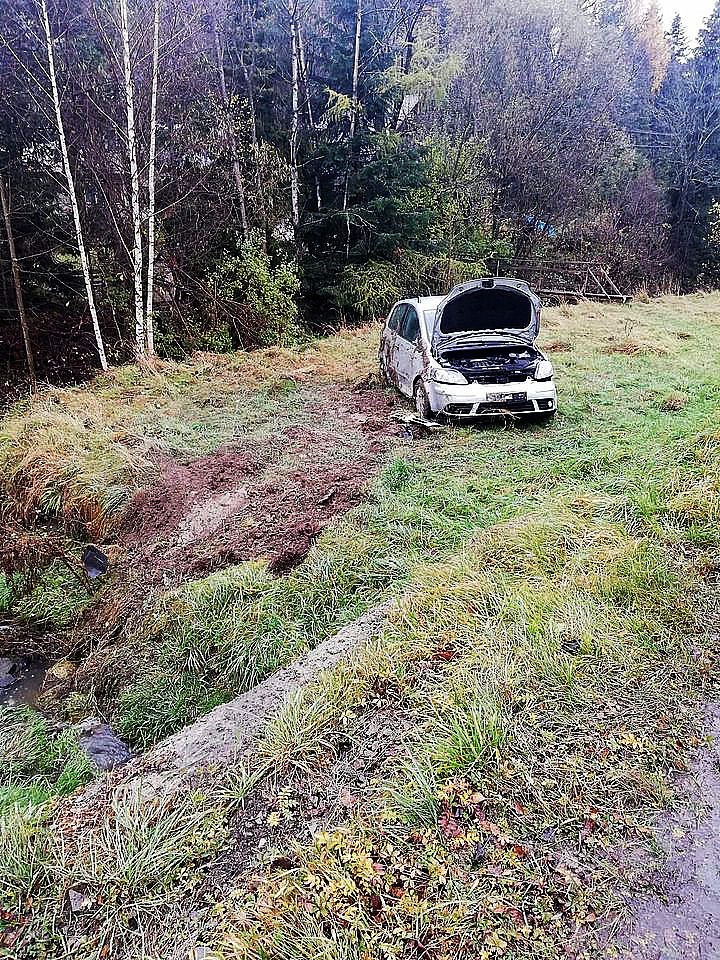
21,681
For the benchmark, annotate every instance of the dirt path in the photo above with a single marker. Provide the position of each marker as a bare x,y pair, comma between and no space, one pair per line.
681,919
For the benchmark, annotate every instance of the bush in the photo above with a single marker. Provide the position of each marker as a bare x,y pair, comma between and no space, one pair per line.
258,298
366,293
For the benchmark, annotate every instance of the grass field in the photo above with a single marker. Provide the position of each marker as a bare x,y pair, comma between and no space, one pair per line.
470,784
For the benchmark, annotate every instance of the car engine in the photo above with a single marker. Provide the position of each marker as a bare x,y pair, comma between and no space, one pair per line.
496,364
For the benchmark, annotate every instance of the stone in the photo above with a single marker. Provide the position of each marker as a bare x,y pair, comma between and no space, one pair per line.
104,748
8,673
78,901
62,670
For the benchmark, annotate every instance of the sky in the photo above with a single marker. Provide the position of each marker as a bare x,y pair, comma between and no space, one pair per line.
693,12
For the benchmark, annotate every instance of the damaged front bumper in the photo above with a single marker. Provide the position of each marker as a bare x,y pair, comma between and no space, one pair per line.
492,400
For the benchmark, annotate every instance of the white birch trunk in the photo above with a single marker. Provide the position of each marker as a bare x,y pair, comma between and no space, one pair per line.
295,119
4,200
137,257
356,68
71,186
237,173
151,185
353,114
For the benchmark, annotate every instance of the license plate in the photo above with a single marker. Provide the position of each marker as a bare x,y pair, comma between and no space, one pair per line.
504,397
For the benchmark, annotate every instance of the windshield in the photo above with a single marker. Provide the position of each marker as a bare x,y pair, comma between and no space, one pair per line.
493,309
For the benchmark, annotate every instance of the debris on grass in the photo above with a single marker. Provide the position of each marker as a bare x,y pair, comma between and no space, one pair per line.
633,348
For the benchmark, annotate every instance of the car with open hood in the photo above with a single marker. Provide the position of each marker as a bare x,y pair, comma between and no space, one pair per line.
471,353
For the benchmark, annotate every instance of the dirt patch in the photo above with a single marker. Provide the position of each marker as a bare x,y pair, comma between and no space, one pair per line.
674,402
558,346
178,497
269,501
632,348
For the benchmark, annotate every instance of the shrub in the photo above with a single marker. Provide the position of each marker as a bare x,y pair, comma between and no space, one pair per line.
258,296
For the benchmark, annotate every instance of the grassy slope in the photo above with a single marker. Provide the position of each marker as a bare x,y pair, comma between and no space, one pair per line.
542,660
567,700
614,438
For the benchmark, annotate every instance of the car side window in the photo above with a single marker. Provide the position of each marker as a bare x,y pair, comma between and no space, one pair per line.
410,328
396,317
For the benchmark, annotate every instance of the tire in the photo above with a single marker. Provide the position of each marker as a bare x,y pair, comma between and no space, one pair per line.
545,417
422,402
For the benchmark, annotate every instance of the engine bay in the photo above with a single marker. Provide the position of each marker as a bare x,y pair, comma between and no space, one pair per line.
494,364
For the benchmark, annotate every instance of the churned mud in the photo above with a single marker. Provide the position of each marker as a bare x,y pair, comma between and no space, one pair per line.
264,500
680,918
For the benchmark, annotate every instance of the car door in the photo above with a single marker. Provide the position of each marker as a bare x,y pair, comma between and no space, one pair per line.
388,343
408,355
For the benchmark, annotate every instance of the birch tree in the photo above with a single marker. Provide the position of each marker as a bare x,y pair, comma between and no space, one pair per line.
353,114
294,117
5,202
151,182
137,252
71,184
304,77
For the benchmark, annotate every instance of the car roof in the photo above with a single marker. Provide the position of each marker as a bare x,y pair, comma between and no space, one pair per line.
425,303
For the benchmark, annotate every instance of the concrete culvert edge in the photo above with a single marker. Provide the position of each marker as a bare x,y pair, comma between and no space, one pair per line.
231,731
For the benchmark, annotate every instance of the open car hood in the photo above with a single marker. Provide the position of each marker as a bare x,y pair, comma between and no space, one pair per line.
486,309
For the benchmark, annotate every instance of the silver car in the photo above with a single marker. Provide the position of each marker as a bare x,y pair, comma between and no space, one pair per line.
471,353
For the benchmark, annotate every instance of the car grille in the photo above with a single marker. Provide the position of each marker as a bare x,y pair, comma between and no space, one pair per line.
496,377
509,406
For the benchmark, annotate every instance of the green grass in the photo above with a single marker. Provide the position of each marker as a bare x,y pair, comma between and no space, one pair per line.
36,761
57,598
544,661
615,445
555,725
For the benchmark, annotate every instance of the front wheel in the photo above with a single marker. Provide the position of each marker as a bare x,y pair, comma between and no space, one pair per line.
422,402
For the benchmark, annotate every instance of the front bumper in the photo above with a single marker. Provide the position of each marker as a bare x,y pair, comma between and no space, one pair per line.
472,399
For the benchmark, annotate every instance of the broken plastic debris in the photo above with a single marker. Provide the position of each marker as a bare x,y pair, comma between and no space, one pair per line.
95,562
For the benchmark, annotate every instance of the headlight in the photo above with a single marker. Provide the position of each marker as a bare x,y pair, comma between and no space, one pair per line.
446,375
544,370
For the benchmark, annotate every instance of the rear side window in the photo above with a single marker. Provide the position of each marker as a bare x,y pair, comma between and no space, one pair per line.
396,317
410,328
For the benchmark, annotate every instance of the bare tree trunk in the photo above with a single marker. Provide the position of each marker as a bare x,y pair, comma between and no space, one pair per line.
71,186
295,121
308,103
353,114
137,258
18,287
231,133
151,185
